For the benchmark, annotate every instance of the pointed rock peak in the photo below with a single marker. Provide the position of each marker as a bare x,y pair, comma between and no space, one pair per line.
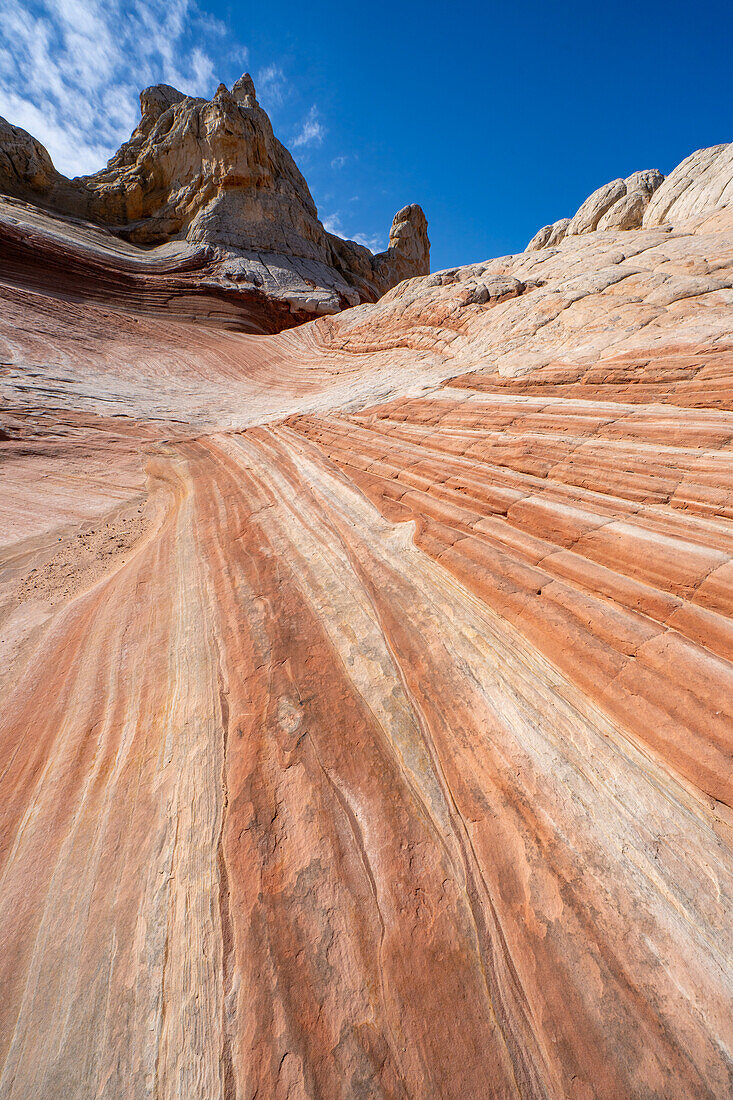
408,250
409,235
413,216
244,91
154,101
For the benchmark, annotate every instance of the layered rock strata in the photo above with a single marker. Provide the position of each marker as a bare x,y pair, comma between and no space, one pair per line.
367,687
213,175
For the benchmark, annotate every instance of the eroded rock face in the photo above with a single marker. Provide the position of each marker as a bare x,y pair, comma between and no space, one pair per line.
25,166
214,174
367,688
699,187
617,205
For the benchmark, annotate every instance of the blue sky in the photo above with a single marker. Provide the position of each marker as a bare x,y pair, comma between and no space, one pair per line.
496,117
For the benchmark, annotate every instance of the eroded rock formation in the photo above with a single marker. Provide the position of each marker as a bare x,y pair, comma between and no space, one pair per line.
368,687
699,186
213,175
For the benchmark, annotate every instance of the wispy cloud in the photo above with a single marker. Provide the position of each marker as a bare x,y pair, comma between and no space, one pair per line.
332,224
71,70
272,86
374,244
339,162
311,131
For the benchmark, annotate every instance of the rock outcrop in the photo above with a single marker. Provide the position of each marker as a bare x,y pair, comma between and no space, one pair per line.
367,688
619,204
699,187
214,174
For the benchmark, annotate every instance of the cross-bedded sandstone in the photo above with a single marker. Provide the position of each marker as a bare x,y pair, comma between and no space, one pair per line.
367,687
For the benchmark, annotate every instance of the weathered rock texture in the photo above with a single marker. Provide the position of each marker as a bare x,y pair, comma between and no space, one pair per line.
368,688
698,187
701,184
214,175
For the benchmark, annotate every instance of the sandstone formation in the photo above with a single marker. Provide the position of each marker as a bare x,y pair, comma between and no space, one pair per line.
699,186
617,205
214,175
367,687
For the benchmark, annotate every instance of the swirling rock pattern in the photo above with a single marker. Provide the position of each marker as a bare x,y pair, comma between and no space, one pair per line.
368,688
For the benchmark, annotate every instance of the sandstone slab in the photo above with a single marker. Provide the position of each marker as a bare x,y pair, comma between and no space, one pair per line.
367,686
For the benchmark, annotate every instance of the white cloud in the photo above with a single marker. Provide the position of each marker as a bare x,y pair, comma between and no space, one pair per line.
374,244
271,86
311,132
202,68
339,162
332,224
71,70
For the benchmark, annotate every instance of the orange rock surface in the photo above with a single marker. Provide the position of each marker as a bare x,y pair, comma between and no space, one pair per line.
368,688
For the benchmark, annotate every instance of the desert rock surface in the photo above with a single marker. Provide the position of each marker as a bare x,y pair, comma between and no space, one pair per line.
367,686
